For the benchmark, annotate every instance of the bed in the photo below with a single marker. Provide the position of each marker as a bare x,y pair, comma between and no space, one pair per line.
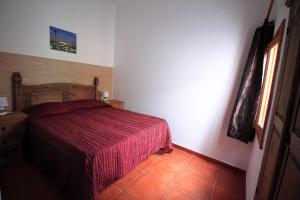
84,145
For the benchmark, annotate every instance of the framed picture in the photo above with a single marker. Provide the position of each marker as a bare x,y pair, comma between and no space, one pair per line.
62,40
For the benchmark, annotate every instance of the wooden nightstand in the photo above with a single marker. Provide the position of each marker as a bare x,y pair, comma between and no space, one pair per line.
12,129
116,104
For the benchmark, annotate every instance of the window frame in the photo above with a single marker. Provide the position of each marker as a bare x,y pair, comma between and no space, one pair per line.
277,40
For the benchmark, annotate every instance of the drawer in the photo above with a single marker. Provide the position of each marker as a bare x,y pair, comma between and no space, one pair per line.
7,128
9,133
7,141
10,153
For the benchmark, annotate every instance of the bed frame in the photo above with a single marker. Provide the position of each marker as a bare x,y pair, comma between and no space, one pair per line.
24,96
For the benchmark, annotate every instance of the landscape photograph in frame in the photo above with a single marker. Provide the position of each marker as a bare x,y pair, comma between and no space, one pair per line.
62,40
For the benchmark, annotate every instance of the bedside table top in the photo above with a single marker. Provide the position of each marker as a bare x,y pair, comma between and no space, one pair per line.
115,101
12,117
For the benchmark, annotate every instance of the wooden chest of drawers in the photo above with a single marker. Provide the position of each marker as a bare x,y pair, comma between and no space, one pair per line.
12,129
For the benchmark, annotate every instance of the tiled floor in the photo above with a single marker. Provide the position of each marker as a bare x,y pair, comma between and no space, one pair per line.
178,176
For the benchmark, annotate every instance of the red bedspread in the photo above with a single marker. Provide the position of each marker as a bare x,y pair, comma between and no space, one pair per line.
85,150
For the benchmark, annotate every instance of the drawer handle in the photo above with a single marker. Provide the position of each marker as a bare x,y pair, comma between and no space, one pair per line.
3,128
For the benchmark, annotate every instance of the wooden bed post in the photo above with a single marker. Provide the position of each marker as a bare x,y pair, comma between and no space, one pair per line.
96,84
17,99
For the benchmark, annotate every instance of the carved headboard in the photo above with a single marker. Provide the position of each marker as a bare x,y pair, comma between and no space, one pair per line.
24,96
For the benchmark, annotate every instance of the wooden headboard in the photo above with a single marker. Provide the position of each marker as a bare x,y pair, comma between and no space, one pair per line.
24,96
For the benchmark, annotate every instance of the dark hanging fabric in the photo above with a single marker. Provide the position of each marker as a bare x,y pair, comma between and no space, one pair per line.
246,104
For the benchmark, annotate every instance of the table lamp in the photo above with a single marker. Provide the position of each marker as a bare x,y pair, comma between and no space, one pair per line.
3,104
105,96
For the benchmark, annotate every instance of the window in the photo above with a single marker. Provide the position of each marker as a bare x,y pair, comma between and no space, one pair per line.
269,71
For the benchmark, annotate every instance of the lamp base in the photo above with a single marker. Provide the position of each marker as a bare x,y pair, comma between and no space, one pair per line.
106,100
3,113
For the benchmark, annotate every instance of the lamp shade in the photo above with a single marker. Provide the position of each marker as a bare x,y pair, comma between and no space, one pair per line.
3,101
105,94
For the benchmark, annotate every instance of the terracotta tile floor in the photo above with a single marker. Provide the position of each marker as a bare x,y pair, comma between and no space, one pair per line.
175,176
178,175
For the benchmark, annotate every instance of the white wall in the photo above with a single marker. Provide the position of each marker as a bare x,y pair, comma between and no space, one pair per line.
182,60
279,13
25,28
